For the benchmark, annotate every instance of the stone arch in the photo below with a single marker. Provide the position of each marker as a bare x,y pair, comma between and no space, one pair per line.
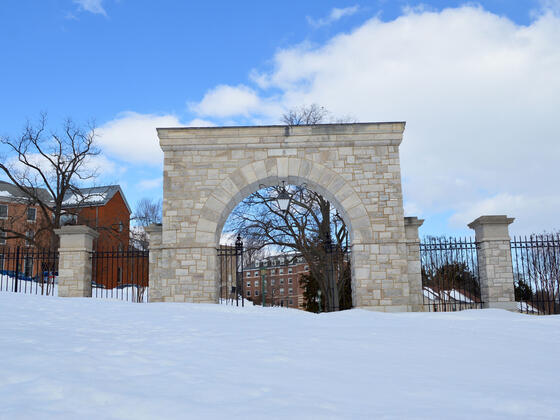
246,180
208,171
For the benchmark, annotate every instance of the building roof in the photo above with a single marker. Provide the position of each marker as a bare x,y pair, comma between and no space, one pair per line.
276,261
93,197
10,192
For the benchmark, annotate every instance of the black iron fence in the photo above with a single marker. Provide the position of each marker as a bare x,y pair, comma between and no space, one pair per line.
28,270
536,272
230,273
450,280
120,274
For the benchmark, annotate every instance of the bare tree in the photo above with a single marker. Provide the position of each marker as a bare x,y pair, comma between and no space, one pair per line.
313,114
147,212
46,167
542,263
307,228
305,115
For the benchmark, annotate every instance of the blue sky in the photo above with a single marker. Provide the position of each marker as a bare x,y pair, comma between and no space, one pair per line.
463,73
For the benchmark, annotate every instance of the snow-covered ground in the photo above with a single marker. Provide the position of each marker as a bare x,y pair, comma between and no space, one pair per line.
129,293
100,359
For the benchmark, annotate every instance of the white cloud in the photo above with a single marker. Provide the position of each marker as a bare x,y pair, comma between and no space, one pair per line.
199,122
103,166
132,137
92,6
521,206
150,184
227,101
548,6
333,16
480,95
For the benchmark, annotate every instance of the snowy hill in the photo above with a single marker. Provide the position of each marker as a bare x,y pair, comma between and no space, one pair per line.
98,359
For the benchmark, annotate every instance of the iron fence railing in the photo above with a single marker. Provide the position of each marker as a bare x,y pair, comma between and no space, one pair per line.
28,270
536,273
120,274
450,279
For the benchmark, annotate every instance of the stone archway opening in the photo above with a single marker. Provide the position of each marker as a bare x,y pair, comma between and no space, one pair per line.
295,253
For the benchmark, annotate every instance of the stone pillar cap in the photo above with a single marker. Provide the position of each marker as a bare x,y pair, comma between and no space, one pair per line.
413,221
153,228
76,230
493,227
499,219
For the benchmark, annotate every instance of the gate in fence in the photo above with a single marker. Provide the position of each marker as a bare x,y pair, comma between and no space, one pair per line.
536,272
120,274
28,270
230,273
450,279
274,280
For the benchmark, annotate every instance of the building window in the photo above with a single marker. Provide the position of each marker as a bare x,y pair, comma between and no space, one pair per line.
248,284
290,291
281,290
120,248
3,211
290,281
249,274
281,271
256,283
289,271
256,274
272,272
28,266
29,236
306,268
248,293
256,292
31,214
281,281
119,275
121,226
272,282
290,302
257,264
3,236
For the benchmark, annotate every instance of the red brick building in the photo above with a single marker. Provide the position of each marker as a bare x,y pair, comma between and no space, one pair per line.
282,275
19,213
105,210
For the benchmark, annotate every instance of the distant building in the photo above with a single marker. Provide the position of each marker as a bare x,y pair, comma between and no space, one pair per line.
442,300
105,210
18,212
282,286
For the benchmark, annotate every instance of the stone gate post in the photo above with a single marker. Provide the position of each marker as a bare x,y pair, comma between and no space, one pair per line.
74,266
155,262
494,261
411,225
